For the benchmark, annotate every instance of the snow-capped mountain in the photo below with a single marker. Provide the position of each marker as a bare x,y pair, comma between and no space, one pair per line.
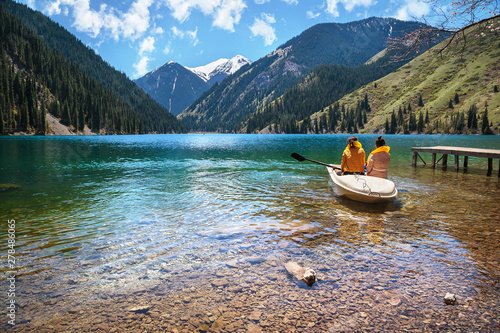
176,87
216,71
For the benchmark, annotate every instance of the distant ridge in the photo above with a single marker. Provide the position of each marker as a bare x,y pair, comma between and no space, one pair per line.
176,87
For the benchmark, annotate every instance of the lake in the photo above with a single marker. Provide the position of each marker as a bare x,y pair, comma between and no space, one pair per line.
183,233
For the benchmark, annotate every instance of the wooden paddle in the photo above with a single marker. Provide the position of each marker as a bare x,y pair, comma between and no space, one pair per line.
301,158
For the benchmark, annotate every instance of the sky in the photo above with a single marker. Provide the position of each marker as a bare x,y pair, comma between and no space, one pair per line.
138,36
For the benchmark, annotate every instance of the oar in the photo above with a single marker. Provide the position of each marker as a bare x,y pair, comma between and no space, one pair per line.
301,158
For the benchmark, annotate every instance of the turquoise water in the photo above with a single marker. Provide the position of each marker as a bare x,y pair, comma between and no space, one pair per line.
117,213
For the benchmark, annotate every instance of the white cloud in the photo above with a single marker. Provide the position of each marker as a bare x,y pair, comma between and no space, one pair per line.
310,14
332,5
130,25
168,48
147,45
225,13
228,14
262,27
261,2
190,35
31,4
141,68
54,8
136,20
412,9
159,31
291,2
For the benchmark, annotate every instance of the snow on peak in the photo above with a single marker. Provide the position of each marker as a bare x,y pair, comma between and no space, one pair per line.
221,66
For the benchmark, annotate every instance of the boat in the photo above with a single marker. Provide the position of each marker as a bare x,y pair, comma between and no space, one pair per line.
363,188
357,187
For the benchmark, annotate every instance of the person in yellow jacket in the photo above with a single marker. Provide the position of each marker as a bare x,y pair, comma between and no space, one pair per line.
353,158
378,160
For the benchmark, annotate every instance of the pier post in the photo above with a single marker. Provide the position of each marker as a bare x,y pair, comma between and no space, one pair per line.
466,152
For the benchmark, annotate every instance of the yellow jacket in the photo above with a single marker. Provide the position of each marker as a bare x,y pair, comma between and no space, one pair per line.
353,158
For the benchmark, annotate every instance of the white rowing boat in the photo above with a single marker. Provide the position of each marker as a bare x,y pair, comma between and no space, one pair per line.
363,188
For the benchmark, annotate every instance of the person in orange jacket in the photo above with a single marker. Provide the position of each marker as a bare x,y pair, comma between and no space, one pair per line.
353,158
378,160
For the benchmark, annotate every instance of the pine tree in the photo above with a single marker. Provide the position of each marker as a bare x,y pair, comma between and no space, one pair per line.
420,126
394,124
457,100
420,101
450,104
485,128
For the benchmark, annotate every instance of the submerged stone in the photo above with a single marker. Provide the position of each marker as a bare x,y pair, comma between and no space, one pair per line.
9,187
306,275
450,299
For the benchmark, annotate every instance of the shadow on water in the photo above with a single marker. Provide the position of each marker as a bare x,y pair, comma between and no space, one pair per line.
371,208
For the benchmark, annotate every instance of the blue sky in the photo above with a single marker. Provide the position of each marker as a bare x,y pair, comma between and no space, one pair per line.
138,36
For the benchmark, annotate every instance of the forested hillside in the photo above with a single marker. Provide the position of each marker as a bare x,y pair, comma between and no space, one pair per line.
35,80
87,71
322,87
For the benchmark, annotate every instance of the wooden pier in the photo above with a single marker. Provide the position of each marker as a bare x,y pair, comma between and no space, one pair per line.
490,154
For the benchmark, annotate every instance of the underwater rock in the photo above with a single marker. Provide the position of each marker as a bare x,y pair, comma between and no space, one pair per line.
305,274
140,309
450,299
9,187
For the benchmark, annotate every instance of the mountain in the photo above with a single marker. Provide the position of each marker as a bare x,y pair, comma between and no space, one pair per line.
220,69
154,117
224,106
176,87
450,92
173,86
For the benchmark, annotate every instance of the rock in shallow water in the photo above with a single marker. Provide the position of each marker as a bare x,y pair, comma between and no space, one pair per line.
140,309
450,299
305,274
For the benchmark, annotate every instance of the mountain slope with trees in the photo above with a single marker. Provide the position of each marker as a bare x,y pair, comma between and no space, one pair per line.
322,87
154,117
227,104
454,91
35,80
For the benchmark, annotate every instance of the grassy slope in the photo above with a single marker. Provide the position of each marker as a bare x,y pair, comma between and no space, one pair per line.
472,74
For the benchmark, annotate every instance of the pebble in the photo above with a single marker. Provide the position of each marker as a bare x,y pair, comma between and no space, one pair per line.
450,299
140,309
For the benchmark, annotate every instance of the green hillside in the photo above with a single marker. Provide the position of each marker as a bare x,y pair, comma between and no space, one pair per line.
446,92
322,87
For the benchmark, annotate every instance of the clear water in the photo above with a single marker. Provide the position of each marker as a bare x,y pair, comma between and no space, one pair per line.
110,215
